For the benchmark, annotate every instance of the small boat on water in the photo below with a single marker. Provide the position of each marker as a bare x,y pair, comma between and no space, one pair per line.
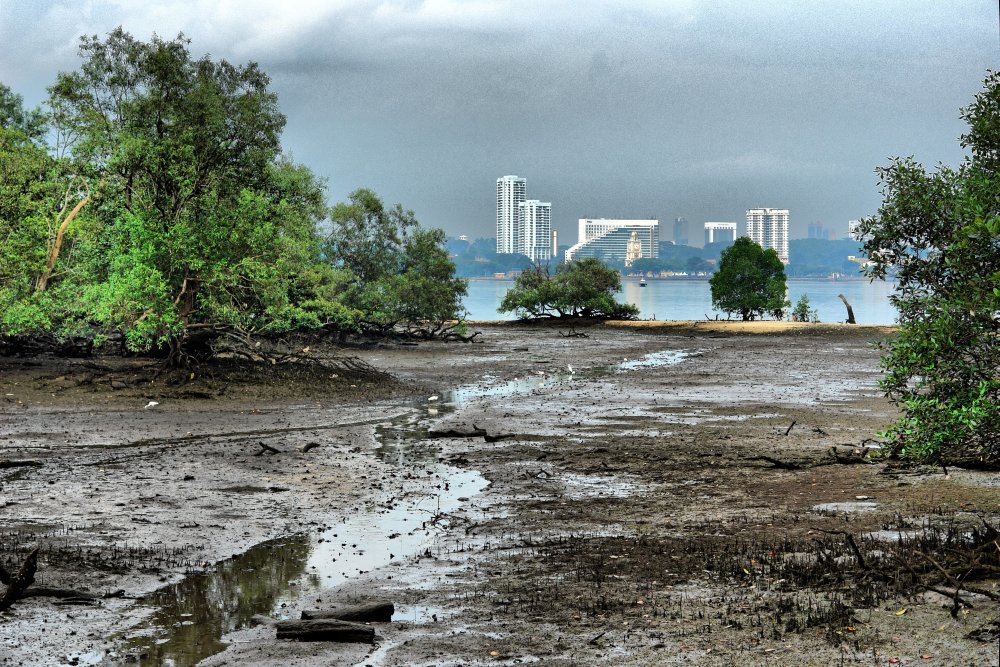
642,282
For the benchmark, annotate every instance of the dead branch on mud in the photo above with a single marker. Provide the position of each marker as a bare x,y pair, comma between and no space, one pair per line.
267,449
573,333
835,456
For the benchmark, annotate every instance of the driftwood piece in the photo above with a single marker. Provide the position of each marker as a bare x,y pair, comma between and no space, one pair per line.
326,630
20,581
376,612
471,431
309,445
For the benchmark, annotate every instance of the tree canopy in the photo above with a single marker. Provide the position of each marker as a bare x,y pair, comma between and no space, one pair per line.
584,288
750,281
165,211
939,233
400,272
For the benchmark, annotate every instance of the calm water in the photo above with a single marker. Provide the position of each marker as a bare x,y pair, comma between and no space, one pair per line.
692,299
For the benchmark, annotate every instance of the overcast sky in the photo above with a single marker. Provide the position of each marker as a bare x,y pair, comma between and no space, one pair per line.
609,109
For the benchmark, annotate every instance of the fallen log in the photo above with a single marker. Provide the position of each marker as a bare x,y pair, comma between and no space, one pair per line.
326,630
376,612
23,463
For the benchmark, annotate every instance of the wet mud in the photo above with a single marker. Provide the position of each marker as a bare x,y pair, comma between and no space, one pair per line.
533,498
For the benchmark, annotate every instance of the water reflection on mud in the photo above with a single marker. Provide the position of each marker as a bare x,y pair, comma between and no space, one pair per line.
196,612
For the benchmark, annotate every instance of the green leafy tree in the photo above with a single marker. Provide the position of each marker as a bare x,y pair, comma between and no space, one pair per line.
939,233
750,281
13,115
29,192
400,272
202,224
584,288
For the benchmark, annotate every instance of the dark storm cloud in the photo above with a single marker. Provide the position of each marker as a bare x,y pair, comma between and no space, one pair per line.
608,109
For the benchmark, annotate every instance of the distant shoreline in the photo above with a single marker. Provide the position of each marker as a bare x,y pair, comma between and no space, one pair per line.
635,279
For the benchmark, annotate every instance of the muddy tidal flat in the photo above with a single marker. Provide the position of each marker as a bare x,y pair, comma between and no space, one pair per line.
646,494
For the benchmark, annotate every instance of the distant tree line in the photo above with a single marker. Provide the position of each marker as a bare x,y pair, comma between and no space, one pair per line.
151,200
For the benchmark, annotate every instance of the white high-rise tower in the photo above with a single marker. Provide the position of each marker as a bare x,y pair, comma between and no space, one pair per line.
510,196
536,228
768,227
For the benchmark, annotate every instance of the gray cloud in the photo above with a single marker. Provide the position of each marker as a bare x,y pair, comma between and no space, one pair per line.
630,108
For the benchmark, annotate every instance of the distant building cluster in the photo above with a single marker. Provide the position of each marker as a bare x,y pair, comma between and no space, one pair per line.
615,241
523,225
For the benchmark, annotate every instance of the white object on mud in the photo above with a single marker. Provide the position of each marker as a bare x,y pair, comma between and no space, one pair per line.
151,404
433,398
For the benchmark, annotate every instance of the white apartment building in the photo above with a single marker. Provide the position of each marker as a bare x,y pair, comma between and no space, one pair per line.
510,196
536,230
609,240
768,227
718,232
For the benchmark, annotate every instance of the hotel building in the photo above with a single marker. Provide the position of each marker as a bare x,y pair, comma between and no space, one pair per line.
616,241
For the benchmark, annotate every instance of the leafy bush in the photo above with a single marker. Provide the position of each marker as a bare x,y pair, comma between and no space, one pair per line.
802,312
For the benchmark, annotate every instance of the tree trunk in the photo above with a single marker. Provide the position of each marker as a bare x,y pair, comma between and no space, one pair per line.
850,311
43,280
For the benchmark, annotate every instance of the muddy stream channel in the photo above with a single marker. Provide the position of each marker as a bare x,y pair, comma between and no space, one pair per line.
193,615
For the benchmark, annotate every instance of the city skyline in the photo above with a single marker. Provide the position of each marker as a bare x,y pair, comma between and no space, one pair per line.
621,109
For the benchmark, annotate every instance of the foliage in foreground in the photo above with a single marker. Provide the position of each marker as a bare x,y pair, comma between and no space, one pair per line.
939,233
165,211
584,288
750,282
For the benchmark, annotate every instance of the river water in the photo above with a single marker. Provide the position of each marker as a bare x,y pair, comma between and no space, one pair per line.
692,299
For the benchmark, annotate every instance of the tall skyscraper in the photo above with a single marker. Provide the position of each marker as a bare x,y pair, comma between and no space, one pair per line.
768,227
536,230
681,231
510,196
